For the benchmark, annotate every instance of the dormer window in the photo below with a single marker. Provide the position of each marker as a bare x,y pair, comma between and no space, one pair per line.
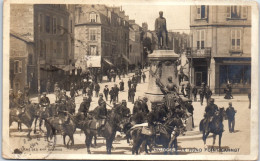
93,17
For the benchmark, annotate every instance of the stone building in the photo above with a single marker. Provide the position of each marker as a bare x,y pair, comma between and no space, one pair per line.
54,40
220,50
22,55
101,32
135,44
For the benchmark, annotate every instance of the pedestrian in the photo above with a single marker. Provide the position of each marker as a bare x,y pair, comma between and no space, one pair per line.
91,87
187,90
194,92
97,89
231,117
116,92
132,94
112,95
190,109
84,106
56,90
129,83
121,85
105,91
202,93
48,87
108,76
72,90
208,94
182,90
144,76
26,93
119,74
84,89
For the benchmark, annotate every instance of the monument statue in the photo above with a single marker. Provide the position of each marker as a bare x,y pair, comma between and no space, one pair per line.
161,31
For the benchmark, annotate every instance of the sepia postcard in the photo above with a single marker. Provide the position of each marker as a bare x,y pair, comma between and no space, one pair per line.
132,80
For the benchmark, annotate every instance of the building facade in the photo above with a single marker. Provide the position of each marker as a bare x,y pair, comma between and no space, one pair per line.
135,44
22,55
102,32
54,40
220,50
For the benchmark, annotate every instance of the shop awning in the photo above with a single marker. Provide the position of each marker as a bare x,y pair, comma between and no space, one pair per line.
108,62
126,58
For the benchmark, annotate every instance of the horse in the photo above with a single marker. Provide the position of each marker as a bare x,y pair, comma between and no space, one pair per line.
112,124
25,116
167,135
215,126
65,125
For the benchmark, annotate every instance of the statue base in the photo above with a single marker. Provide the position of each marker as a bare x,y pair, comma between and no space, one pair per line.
162,65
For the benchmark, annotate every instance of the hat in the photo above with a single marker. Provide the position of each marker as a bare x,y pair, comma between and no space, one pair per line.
106,85
212,100
100,94
44,93
230,103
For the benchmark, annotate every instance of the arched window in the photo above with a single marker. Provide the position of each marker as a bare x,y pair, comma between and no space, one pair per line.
93,17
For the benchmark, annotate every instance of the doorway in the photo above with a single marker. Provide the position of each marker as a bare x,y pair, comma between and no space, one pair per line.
198,78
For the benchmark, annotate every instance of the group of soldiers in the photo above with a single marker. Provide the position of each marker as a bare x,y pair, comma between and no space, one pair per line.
132,84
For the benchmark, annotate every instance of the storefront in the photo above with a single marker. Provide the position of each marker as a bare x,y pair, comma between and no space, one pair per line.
236,71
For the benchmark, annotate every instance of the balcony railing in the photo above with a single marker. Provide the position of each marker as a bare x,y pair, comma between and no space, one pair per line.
199,53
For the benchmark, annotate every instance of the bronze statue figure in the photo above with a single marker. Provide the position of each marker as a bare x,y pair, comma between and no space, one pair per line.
161,31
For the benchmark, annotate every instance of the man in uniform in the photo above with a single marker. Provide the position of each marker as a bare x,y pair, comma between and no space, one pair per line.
124,110
63,96
84,106
101,115
44,101
100,99
20,99
144,106
210,110
129,83
132,94
161,31
190,109
121,85
231,117
208,94
169,91
194,92
202,92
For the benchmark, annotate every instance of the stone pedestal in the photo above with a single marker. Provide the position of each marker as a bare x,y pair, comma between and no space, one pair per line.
162,65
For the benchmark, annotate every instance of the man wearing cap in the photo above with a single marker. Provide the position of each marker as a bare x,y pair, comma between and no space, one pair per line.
124,110
44,101
129,83
210,110
132,94
100,99
208,94
112,95
84,106
231,117
144,106
11,98
101,115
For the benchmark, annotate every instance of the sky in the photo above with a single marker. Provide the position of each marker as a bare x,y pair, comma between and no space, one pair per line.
177,17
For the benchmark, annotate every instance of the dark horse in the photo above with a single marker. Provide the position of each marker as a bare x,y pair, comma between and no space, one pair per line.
112,124
215,126
168,133
64,122
25,116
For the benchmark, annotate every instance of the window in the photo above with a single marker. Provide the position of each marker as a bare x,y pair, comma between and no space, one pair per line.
54,25
202,12
17,67
42,48
93,50
30,59
40,24
200,39
61,26
93,35
235,39
93,17
47,24
237,12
